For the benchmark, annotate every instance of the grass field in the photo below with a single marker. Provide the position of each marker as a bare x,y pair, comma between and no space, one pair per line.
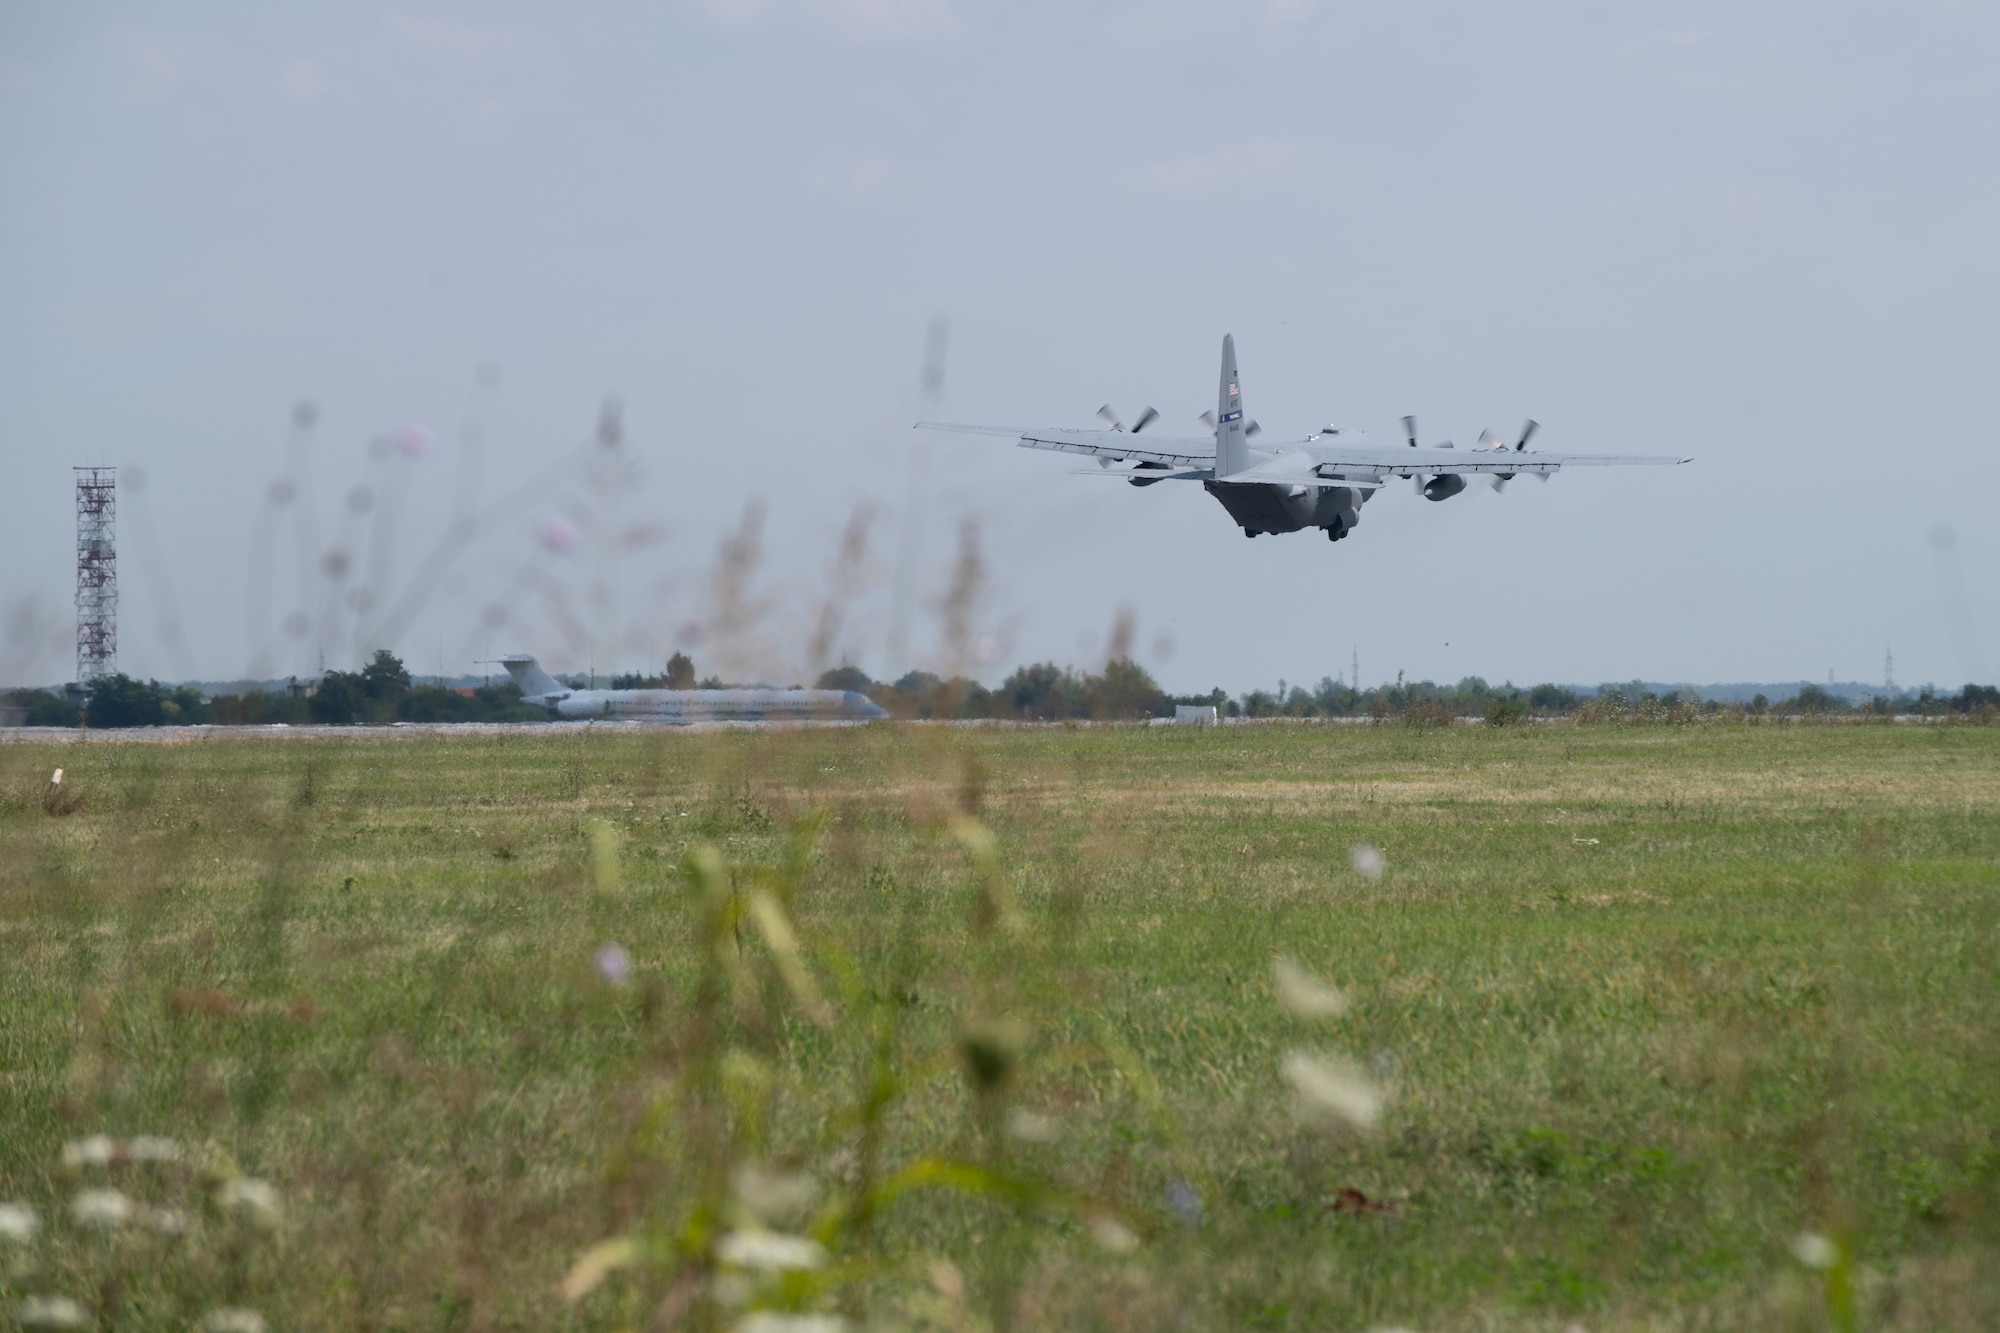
991,1015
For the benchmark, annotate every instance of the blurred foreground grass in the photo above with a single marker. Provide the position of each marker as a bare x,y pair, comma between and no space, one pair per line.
1651,1009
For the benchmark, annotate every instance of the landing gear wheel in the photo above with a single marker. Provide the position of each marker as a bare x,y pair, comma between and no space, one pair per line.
1249,532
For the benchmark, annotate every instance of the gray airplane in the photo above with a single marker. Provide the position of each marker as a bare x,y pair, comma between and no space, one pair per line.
752,705
1318,482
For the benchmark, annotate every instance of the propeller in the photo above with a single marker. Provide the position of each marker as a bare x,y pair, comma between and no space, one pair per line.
1410,430
1110,418
1528,429
1208,420
1251,428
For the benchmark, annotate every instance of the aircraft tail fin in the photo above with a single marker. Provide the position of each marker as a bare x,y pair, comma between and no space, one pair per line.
1232,451
527,673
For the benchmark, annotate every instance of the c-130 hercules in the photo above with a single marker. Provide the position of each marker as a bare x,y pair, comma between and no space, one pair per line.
1318,482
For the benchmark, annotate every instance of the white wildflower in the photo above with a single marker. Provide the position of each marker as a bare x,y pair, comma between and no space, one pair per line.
233,1319
1304,994
19,1223
1032,1126
1329,1085
1368,862
101,1208
1815,1251
614,964
770,1321
773,1195
50,1312
96,1150
165,1221
769,1250
55,780
1113,1235
153,1148
252,1198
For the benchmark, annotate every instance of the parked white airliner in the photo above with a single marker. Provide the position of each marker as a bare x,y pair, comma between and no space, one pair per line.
684,706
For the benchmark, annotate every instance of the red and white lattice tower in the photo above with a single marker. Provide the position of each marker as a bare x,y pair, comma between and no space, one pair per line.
96,573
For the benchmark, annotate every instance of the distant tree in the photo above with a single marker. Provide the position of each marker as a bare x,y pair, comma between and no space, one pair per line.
384,679
120,701
185,706
845,678
1125,690
1042,690
974,699
42,709
1977,698
1335,698
339,699
680,672
1260,703
1552,699
258,708
1814,701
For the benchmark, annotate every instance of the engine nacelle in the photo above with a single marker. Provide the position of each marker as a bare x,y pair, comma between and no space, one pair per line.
1444,487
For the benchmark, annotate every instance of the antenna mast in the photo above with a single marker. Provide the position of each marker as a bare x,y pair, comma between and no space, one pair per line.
96,574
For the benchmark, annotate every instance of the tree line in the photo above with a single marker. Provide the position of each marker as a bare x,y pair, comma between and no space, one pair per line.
382,692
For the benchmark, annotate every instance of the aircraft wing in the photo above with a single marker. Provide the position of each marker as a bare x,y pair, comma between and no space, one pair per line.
1174,451
1364,464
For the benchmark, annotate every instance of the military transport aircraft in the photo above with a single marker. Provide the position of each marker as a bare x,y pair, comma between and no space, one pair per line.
1318,482
744,705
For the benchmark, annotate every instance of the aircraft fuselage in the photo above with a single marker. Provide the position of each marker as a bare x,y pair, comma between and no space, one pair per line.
751,705
1258,508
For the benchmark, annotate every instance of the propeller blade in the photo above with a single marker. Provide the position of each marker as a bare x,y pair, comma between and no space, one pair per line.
1417,480
1488,440
1499,484
1146,418
1447,445
1528,429
1410,430
1208,420
1251,429
1110,418
1541,476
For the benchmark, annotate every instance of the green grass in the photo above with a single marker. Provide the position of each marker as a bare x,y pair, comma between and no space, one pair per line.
1648,1002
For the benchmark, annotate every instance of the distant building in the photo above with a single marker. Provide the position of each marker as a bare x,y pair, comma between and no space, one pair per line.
1194,715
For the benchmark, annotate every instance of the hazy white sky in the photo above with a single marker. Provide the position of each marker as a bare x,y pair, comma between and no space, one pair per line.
1759,233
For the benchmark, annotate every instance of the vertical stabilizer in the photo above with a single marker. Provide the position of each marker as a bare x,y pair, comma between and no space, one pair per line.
527,673
1232,450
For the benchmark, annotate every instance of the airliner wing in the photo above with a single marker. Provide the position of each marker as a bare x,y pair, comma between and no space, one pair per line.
1183,451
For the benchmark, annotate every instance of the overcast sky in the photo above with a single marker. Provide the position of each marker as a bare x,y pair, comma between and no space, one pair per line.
1762,234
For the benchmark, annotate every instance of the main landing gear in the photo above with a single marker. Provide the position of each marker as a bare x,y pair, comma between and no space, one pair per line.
1335,533
1249,532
